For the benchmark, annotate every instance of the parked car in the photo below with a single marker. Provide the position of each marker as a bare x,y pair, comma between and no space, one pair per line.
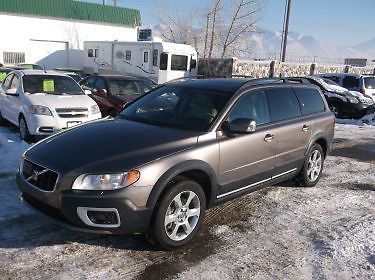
28,66
41,103
159,167
364,84
113,92
4,72
343,103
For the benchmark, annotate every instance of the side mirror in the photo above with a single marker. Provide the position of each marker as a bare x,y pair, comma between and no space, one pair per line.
240,126
11,91
87,92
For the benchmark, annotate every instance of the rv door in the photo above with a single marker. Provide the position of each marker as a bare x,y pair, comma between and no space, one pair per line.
146,61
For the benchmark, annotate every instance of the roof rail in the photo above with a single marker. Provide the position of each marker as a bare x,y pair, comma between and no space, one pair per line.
184,79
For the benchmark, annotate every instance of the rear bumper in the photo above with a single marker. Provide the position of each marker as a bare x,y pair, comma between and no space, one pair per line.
132,219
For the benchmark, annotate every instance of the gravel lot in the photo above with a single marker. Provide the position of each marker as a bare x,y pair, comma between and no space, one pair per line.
279,232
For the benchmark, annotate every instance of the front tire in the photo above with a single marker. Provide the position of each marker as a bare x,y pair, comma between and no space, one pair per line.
24,130
2,120
178,215
336,109
312,167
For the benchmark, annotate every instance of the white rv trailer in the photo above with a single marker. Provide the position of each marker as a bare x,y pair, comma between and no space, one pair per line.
159,61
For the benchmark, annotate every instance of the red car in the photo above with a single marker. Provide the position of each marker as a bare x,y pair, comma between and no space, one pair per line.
112,92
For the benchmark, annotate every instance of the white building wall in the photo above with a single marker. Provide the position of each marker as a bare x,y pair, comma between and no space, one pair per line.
33,36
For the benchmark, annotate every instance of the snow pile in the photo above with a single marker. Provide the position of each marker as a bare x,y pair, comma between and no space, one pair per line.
365,120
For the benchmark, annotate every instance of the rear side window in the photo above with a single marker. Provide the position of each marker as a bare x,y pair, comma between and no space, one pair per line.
179,62
283,104
333,78
369,82
310,101
350,82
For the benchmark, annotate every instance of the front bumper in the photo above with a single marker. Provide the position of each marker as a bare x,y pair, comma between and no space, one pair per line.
62,208
47,125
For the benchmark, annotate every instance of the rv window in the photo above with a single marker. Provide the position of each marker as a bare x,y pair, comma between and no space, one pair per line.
145,57
128,55
179,62
155,58
163,61
96,52
90,53
193,64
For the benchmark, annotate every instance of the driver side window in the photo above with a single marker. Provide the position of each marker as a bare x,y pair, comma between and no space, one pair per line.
252,105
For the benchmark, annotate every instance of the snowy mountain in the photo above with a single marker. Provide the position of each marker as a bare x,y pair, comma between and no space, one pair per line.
265,43
299,44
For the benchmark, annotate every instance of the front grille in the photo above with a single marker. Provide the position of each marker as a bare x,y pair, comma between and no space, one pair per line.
72,112
38,176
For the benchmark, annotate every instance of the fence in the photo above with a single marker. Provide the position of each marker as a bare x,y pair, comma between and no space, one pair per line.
263,69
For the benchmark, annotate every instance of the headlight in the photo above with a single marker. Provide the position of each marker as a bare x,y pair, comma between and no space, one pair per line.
352,99
95,109
106,181
40,110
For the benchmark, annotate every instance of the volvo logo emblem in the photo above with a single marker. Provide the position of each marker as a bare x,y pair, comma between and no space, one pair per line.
35,174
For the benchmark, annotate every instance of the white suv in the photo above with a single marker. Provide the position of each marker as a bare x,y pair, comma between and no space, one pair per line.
41,103
365,84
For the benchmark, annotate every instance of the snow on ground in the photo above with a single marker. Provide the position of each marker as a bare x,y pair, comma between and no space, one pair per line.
279,232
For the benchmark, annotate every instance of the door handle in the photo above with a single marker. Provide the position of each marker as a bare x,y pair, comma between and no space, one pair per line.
305,128
268,137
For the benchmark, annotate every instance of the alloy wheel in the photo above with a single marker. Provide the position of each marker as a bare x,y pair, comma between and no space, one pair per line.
314,165
182,215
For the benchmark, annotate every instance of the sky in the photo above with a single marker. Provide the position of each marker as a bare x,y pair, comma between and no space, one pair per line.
341,22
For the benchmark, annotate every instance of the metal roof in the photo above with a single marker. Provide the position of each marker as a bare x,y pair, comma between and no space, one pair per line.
76,10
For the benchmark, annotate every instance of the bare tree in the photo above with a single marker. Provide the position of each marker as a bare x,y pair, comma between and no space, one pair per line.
214,13
215,30
242,21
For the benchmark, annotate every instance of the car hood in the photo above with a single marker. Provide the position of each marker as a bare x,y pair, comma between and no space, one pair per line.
109,145
60,101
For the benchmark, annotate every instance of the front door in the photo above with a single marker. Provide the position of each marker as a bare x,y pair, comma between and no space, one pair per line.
146,61
246,160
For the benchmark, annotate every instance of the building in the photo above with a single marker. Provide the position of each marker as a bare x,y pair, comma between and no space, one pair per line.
51,32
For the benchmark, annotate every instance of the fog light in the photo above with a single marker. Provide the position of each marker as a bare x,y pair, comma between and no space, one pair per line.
102,217
99,217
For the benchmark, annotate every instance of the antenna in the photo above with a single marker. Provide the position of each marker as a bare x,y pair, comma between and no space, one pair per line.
44,69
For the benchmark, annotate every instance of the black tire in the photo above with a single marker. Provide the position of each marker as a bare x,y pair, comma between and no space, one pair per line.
308,176
336,109
175,233
2,120
24,130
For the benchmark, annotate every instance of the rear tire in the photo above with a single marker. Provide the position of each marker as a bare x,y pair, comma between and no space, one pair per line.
24,130
312,167
178,215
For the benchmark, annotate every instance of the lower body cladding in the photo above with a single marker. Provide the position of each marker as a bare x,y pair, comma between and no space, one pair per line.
88,211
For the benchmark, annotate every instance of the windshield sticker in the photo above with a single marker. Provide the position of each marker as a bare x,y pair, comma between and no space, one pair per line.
2,76
48,85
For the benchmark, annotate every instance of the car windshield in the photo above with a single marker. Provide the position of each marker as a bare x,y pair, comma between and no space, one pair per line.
178,107
3,74
51,84
370,82
127,87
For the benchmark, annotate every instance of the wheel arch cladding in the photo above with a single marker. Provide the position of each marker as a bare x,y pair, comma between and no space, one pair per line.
195,170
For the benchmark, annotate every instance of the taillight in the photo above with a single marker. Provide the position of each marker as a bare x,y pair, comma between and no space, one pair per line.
362,91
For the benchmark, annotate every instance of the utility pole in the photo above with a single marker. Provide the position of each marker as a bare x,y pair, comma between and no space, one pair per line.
115,3
103,2
285,30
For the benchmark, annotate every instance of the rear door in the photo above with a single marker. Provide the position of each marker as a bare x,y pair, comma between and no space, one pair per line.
292,132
